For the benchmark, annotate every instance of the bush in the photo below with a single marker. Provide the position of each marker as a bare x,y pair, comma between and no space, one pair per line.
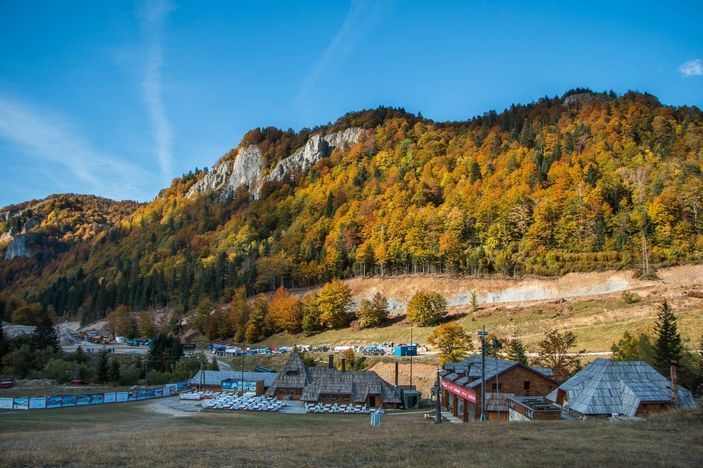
159,378
630,297
427,308
60,370
185,368
130,375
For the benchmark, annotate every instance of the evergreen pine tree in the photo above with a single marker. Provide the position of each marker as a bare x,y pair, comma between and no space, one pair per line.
103,368
516,351
45,336
79,356
113,373
668,346
213,364
3,343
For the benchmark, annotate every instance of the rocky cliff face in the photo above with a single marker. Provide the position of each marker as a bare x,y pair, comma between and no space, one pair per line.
247,168
230,175
17,248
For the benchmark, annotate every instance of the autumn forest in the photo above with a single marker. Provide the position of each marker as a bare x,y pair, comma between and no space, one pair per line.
580,182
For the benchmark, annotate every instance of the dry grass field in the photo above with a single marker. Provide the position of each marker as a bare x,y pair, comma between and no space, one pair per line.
132,434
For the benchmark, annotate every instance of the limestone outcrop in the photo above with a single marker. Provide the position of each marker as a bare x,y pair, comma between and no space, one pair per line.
17,248
246,170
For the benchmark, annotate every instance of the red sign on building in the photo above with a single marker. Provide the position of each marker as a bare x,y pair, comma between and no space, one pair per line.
459,391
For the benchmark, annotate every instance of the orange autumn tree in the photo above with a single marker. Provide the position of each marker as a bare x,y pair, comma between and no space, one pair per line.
285,311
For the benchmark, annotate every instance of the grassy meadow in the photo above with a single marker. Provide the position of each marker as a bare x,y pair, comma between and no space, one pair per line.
134,435
598,322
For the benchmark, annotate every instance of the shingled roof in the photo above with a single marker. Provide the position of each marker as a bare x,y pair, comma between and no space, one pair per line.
316,381
215,378
294,374
605,387
358,384
471,366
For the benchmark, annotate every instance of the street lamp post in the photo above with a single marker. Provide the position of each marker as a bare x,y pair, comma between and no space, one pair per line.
482,334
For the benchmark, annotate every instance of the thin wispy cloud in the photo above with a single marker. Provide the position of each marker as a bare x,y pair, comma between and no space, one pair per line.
692,67
49,139
153,15
361,15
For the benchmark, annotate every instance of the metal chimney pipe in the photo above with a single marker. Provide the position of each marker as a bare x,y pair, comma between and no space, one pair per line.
396,373
674,381
330,361
344,365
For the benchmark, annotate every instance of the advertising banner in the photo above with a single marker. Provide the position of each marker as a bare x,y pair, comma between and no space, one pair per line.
465,393
37,403
20,403
69,400
55,401
59,401
231,384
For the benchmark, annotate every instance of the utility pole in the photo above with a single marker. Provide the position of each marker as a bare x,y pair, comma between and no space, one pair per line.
438,392
411,356
482,335
200,381
241,366
496,346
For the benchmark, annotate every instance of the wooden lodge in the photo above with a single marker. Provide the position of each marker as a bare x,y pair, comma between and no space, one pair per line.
329,385
461,386
624,388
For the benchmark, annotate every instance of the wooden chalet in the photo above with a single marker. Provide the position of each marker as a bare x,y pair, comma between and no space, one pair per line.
627,388
461,386
329,385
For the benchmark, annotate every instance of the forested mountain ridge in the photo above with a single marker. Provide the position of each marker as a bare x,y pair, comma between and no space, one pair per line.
34,233
580,182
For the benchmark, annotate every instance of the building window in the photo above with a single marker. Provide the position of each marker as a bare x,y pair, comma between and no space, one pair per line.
499,387
526,385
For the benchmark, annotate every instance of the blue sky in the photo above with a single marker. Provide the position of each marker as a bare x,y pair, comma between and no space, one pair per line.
115,98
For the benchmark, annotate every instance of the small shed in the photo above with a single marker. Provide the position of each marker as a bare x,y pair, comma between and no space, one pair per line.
530,408
405,350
